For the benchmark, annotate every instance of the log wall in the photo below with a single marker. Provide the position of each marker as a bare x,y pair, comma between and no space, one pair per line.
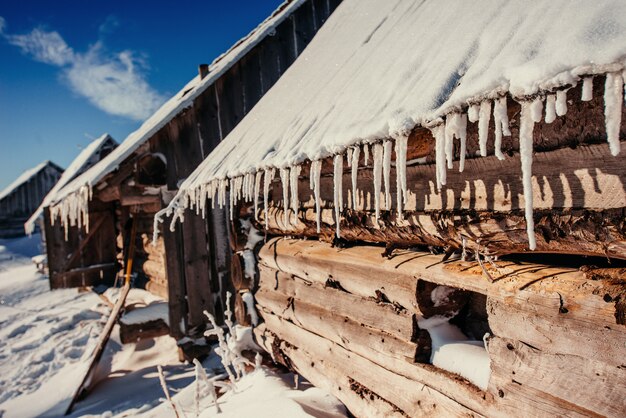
346,319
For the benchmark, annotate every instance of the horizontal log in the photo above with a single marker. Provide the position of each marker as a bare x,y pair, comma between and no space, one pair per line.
578,308
157,289
359,402
341,330
577,386
85,276
130,333
413,399
578,195
154,269
384,316
580,232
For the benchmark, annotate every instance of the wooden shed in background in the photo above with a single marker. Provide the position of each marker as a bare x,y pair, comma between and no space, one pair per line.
448,209
23,196
190,267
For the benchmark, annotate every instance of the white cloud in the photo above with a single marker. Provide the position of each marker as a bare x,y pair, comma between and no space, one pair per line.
114,83
47,47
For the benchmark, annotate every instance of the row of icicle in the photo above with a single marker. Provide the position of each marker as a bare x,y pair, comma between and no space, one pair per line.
249,187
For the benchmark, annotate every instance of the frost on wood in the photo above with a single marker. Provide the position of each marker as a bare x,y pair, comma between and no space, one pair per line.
314,178
378,171
531,113
337,193
387,147
613,101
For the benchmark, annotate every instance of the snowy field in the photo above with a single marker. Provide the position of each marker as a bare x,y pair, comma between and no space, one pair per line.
46,338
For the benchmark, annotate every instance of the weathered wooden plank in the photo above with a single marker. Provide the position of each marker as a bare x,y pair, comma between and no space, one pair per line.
130,333
592,306
365,310
360,401
528,379
579,196
177,306
353,336
413,399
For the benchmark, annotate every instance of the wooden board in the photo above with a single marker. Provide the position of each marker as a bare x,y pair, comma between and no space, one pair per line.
530,380
579,196
411,398
528,290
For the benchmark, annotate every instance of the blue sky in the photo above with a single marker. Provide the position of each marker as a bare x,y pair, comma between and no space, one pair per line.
71,70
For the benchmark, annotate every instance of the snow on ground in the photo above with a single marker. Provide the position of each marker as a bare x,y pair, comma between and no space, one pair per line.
46,338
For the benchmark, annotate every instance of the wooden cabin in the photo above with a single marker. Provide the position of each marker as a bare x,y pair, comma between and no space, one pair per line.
443,208
189,266
23,196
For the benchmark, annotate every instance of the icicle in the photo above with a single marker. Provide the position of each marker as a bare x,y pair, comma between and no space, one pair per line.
231,198
440,155
355,171
366,154
613,109
550,108
501,124
387,147
473,113
484,116
536,107
338,195
349,156
527,123
401,143
450,127
245,187
257,186
462,134
268,176
378,168
561,102
587,93
284,178
316,171
293,182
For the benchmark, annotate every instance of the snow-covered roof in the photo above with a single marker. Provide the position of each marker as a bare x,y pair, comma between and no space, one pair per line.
25,176
81,163
183,99
377,69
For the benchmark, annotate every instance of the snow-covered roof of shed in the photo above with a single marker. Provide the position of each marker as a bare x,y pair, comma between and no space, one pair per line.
377,69
183,99
78,166
25,176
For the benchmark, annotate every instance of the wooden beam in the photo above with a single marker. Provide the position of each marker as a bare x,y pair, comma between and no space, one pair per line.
577,306
526,377
130,333
360,401
411,398
579,200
